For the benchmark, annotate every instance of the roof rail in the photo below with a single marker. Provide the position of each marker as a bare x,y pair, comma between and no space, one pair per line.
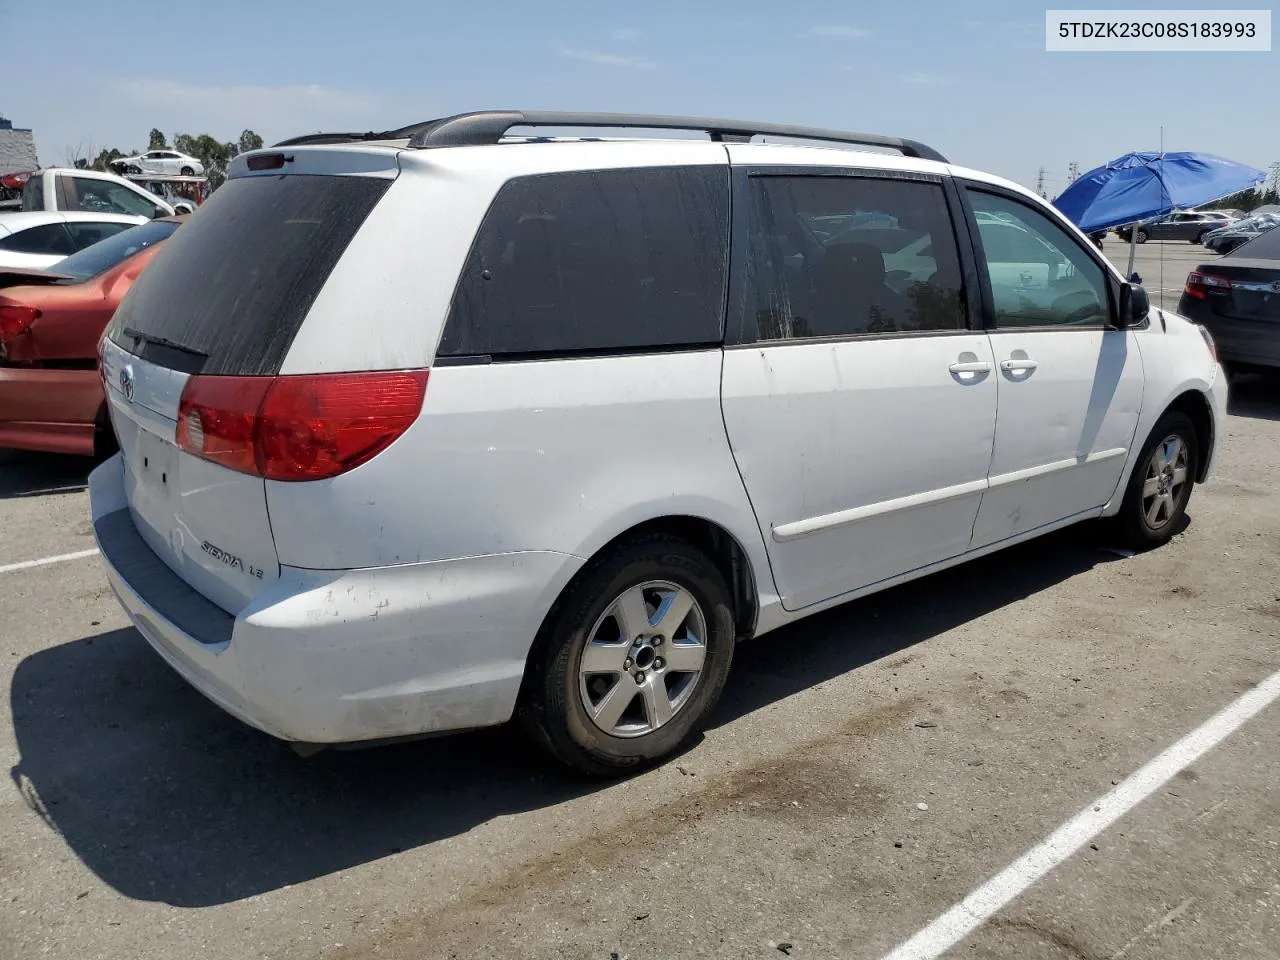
490,126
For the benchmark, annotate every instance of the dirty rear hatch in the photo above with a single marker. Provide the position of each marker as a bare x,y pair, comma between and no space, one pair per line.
225,297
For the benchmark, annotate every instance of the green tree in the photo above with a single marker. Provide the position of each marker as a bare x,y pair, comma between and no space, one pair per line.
106,156
156,140
213,153
249,141
1244,200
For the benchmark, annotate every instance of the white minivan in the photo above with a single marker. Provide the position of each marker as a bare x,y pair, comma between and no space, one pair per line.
424,430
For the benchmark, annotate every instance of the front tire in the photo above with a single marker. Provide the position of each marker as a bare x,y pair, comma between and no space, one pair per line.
1141,236
632,659
1160,486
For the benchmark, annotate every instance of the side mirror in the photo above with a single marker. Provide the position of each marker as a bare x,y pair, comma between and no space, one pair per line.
1135,305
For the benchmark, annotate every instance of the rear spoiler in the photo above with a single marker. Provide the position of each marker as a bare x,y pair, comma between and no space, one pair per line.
19,276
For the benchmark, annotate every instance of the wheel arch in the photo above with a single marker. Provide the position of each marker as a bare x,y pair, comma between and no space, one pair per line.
1191,398
721,546
1196,406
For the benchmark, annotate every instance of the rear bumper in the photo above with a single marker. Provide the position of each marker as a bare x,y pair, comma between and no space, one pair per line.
49,410
1244,343
341,656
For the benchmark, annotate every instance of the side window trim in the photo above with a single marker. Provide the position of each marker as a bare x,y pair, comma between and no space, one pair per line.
966,186
972,276
739,329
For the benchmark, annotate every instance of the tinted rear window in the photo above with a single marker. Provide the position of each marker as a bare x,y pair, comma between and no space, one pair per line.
232,287
105,254
50,239
33,193
596,261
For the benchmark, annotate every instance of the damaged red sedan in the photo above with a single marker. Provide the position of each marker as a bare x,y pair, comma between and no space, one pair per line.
50,323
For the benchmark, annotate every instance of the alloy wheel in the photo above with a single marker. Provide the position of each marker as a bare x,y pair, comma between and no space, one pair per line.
1166,475
642,659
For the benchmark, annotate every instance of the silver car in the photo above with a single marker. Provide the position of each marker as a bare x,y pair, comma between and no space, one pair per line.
1184,225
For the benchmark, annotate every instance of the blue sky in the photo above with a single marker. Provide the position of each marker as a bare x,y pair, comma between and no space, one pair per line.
970,78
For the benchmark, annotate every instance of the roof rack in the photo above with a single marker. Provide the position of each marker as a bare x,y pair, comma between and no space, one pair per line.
490,126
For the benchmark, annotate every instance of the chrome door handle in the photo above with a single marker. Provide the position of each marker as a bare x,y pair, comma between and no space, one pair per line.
976,366
1018,366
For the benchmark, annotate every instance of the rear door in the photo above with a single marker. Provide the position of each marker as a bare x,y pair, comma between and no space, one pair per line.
224,297
859,404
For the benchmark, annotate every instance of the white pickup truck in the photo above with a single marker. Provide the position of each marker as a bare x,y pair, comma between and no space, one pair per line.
69,188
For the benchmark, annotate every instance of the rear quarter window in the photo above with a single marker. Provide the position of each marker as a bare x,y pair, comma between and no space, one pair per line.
596,262
33,192
231,288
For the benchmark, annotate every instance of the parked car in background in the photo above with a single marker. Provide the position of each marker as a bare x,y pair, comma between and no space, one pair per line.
1238,234
11,190
1237,299
1184,225
90,191
50,324
184,194
160,161
40,239
1241,224
537,477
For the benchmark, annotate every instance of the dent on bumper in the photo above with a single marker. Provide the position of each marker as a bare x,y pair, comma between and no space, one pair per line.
344,656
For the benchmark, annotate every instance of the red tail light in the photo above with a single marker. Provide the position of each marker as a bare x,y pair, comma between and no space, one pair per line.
299,427
16,319
1199,284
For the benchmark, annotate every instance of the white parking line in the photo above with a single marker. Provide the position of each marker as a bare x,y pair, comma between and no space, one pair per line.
45,561
984,902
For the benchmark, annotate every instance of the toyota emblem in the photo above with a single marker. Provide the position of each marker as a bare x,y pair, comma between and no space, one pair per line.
126,382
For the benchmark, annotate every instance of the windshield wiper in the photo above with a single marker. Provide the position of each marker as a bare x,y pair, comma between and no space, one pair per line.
161,341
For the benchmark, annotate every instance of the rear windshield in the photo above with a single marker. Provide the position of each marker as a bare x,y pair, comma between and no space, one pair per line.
105,254
229,292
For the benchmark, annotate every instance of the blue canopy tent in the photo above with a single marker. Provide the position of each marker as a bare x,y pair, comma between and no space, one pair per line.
1143,186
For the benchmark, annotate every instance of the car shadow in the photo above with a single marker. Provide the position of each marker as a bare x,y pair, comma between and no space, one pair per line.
1256,396
168,799
27,474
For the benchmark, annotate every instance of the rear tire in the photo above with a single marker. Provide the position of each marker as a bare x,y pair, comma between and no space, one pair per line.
1141,236
1160,486
187,172
607,723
